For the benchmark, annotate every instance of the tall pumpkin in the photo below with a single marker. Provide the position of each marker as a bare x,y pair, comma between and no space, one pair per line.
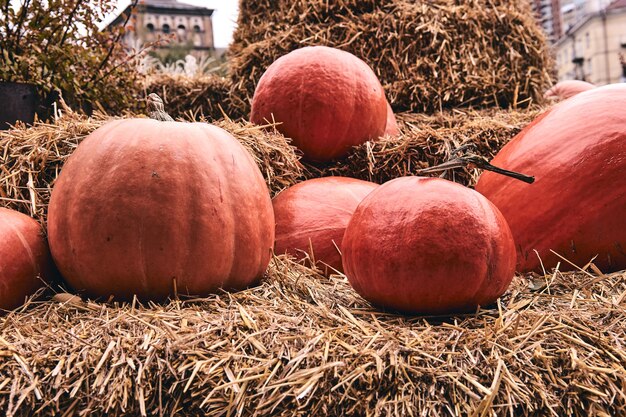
324,99
577,205
146,207
25,262
428,245
311,218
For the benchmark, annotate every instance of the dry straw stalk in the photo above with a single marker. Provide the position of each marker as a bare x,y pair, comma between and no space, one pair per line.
301,344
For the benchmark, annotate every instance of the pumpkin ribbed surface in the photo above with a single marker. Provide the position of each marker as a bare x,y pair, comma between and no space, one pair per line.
145,207
324,99
427,245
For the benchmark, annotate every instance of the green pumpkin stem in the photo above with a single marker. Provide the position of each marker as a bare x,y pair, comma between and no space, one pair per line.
156,109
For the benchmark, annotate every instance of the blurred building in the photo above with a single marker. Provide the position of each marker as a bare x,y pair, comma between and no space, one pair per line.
191,26
548,14
593,46
573,11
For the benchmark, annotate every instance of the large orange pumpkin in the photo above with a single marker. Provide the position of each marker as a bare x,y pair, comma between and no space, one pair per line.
577,205
144,207
427,245
312,216
326,100
25,262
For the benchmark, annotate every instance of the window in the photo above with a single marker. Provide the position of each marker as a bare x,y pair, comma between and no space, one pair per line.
150,27
196,28
166,28
587,40
181,27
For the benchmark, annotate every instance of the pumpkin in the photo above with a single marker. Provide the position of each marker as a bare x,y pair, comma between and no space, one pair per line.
428,246
312,216
566,89
25,261
577,205
146,207
324,99
391,129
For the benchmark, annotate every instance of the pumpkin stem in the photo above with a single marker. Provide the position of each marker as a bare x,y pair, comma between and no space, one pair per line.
477,161
156,109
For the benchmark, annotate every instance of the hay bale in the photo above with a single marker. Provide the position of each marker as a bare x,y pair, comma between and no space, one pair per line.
429,55
206,96
31,158
428,140
301,344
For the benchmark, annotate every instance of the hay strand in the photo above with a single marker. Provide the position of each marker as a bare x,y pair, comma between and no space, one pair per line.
301,344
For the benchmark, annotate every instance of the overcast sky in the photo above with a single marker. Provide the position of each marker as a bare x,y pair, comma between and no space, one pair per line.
224,17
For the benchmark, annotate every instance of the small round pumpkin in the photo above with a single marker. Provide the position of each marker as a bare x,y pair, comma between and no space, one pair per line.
429,246
25,261
326,100
146,207
311,218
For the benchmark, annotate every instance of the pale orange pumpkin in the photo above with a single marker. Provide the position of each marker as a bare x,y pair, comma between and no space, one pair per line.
146,207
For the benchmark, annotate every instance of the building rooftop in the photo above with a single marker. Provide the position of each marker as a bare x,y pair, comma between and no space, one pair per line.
163,6
617,4
174,6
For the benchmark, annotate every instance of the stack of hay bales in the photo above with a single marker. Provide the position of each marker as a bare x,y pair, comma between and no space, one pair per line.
429,55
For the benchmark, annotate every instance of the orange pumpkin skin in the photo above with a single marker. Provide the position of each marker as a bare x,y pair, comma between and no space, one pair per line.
25,261
566,89
428,246
577,205
314,214
392,124
142,203
326,100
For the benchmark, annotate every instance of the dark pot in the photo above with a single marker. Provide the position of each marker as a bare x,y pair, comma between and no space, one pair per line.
18,102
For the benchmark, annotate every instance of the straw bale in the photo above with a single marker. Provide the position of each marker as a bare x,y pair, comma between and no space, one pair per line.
429,55
428,140
207,96
31,157
301,344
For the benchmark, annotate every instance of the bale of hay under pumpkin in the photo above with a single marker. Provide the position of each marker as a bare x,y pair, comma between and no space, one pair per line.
301,344
32,157
207,96
429,55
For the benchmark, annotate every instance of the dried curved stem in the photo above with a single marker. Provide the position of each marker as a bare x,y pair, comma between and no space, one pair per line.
477,161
